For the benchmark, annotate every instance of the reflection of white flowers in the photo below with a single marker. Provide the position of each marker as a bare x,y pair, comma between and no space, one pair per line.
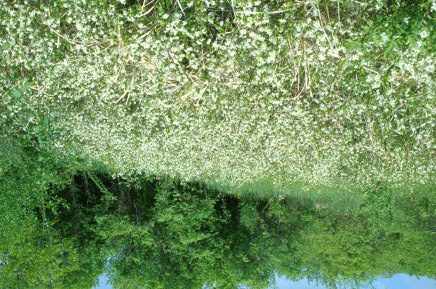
384,37
424,33
374,80
333,53
430,68
378,5
258,81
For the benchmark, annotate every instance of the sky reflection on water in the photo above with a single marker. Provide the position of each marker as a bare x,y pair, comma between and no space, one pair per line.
398,281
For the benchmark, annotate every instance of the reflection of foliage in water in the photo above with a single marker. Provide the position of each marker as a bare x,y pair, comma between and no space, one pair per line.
162,233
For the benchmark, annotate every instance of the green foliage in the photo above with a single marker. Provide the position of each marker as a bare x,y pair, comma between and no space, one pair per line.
184,243
247,95
195,234
12,102
405,24
162,233
308,105
35,259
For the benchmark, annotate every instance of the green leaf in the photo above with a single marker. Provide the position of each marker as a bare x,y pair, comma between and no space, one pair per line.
16,94
25,87
424,5
4,47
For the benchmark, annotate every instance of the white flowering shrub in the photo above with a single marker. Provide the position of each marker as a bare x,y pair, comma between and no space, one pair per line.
241,94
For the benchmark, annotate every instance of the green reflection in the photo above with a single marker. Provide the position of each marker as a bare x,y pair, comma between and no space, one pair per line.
161,233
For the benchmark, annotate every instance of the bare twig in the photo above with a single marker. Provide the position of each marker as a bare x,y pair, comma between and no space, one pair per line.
148,11
145,5
122,96
431,252
178,2
256,12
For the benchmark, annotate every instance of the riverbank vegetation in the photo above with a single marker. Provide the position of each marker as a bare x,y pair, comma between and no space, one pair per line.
111,111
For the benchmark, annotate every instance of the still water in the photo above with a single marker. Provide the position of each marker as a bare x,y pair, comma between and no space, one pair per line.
189,238
398,281
171,235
